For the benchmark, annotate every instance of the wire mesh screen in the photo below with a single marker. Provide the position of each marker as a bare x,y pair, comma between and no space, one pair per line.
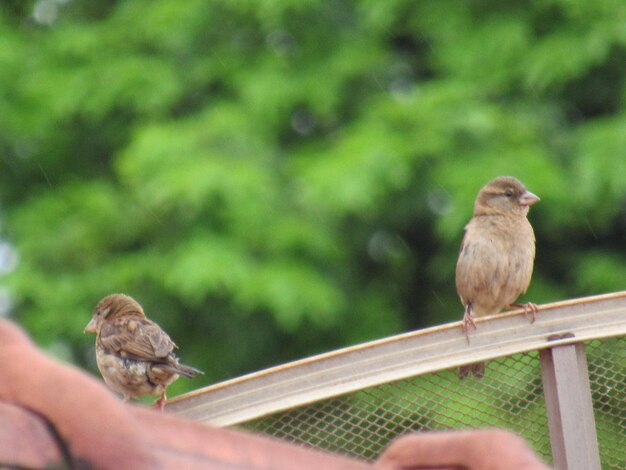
510,396
606,360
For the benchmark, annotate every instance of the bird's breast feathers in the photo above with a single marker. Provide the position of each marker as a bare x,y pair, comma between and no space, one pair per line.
495,263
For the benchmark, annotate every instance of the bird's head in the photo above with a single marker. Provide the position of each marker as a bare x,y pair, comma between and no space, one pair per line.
504,195
110,307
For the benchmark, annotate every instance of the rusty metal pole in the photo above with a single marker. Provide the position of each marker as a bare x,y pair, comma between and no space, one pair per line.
570,411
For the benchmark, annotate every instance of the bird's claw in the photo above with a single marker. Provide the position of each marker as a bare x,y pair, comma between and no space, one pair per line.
529,308
468,322
160,403
533,310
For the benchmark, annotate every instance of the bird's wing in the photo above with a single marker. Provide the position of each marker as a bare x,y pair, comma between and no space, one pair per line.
482,259
137,338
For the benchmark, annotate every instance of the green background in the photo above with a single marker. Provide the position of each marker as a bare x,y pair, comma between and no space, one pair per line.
281,178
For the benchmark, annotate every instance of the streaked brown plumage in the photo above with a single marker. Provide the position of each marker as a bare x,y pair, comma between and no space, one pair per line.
495,263
134,355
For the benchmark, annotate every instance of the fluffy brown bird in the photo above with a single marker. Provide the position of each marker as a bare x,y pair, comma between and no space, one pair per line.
134,355
497,253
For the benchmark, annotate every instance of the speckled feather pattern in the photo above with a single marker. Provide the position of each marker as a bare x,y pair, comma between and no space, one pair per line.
130,377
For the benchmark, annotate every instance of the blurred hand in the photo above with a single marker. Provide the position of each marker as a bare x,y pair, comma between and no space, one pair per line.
88,419
455,450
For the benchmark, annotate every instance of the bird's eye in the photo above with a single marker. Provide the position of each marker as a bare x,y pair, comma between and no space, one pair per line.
508,193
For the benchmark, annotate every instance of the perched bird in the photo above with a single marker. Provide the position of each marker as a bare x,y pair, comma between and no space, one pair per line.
497,253
134,355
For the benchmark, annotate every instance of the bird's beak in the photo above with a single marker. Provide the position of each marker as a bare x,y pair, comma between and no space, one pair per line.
528,199
91,326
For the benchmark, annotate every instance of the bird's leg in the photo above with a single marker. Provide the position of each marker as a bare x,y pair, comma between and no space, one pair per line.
161,401
528,308
468,320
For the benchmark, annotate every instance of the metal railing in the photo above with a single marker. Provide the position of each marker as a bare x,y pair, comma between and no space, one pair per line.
559,382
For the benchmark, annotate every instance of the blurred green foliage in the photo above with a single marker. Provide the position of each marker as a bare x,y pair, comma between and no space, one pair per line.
276,179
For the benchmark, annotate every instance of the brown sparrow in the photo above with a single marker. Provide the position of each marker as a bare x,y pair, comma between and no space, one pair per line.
134,355
497,253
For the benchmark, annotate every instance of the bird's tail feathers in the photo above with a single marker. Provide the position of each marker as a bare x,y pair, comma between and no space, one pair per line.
187,371
477,370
